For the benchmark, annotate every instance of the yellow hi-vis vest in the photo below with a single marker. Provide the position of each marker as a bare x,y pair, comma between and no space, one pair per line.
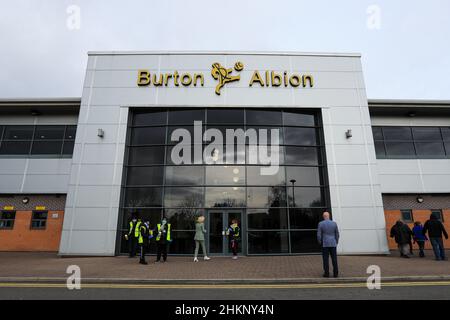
168,232
141,233
136,230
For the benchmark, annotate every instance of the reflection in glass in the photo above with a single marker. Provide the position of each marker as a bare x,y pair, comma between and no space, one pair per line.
18,132
379,149
47,147
304,242
185,175
215,220
150,135
179,197
400,149
266,197
226,116
264,117
274,153
49,132
306,218
183,242
145,176
186,116
300,136
256,177
304,176
225,175
268,242
226,197
267,135
143,197
15,147
305,197
430,149
397,133
272,218
302,155
150,118
146,155
183,218
427,133
298,119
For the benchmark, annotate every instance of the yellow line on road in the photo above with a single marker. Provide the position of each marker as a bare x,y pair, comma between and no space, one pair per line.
223,286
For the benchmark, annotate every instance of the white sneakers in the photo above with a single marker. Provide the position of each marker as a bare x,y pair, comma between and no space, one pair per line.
235,257
205,258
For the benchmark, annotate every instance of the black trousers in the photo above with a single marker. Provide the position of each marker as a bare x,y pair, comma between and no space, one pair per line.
161,249
326,252
234,247
142,248
132,244
421,245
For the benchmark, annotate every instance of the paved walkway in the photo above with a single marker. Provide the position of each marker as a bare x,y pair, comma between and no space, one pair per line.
270,268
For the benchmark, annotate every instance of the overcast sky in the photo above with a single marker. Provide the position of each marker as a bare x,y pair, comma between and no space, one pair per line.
405,45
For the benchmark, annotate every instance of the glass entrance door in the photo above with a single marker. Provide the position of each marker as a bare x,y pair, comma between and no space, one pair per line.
218,223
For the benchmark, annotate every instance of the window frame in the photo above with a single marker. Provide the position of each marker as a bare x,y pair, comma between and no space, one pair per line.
384,154
42,222
7,220
31,153
410,212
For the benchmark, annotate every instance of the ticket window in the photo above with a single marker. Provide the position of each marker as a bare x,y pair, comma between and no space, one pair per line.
7,219
39,220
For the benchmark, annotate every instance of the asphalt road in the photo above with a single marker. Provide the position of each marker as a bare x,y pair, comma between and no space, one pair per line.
392,291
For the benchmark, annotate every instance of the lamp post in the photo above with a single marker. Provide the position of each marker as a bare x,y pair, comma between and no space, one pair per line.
293,181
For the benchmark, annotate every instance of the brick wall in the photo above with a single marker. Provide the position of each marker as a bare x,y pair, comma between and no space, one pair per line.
22,237
420,211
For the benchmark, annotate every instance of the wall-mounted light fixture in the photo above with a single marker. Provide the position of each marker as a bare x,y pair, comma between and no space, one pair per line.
25,200
419,199
348,133
100,133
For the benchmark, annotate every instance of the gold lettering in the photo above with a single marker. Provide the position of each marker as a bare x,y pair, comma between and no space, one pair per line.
157,83
275,78
310,80
175,78
143,78
167,76
256,78
285,79
199,76
185,82
294,80
267,78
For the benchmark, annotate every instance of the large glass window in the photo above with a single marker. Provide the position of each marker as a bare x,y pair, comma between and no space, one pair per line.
412,142
39,140
279,193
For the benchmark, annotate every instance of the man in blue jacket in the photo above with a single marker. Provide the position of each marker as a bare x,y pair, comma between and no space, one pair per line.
328,238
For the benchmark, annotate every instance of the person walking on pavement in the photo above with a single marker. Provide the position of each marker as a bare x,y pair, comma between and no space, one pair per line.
328,238
199,238
402,235
133,234
419,238
144,238
234,233
163,239
435,230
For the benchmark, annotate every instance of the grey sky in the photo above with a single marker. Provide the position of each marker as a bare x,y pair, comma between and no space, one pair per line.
407,57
